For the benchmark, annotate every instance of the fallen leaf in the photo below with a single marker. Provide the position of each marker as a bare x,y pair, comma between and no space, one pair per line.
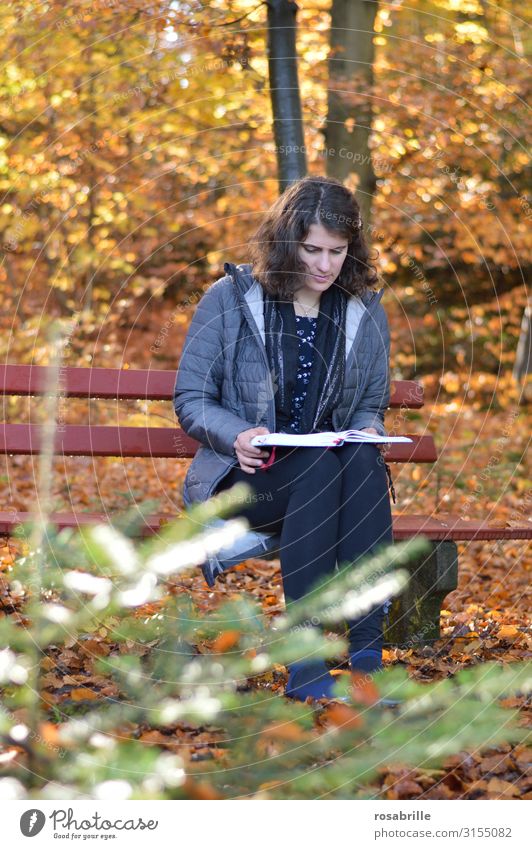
507,632
494,764
225,641
523,760
404,789
271,600
498,787
49,733
342,716
363,689
289,731
82,693
95,647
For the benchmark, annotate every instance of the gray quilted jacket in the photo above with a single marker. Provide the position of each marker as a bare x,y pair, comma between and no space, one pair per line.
224,385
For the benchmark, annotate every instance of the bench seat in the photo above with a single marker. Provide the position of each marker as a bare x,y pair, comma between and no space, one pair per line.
404,527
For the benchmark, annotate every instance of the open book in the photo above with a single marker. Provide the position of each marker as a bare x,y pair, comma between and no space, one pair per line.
327,439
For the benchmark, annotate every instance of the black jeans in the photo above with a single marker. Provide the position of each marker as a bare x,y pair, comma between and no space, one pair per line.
329,505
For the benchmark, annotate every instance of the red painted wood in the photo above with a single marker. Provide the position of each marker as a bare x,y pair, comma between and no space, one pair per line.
127,384
422,449
99,441
407,394
10,520
107,441
404,527
121,384
455,528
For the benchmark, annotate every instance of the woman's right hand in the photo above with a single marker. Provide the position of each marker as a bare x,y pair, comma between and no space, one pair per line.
249,457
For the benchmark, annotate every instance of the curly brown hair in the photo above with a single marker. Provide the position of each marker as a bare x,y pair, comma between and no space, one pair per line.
311,200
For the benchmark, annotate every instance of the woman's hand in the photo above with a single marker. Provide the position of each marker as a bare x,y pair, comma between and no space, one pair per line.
383,447
248,456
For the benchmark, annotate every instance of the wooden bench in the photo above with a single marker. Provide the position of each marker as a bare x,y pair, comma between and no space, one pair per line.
414,617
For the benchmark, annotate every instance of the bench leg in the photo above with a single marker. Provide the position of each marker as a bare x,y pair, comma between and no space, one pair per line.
414,617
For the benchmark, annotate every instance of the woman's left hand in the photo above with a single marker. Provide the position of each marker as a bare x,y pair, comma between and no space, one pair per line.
383,447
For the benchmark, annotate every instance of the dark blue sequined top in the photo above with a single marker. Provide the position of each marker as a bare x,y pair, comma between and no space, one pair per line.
306,331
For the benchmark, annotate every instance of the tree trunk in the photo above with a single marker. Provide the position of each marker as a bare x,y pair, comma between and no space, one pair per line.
284,89
523,356
349,101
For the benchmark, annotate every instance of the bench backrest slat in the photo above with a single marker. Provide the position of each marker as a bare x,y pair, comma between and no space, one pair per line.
136,384
108,441
115,383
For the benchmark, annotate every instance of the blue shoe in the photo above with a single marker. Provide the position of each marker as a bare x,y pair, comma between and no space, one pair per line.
366,660
369,661
211,570
310,680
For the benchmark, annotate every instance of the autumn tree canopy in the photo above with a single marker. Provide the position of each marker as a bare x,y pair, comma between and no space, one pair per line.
137,150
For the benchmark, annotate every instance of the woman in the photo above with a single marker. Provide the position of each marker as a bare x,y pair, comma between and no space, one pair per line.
296,342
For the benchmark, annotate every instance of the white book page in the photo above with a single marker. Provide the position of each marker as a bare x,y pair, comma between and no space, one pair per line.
327,439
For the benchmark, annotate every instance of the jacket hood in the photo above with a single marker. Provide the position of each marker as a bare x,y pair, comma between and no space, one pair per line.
242,275
243,279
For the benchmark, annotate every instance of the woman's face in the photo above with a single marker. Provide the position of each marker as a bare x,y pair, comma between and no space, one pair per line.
323,252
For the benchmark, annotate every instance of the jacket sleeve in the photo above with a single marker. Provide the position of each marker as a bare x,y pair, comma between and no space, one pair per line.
198,387
374,402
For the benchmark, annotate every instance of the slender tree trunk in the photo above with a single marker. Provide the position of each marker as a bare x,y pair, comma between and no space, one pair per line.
350,97
284,88
523,356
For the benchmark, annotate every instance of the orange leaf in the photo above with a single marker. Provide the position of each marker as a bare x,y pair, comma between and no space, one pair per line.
154,737
507,632
49,733
343,716
95,647
271,600
494,764
405,787
363,689
81,693
226,641
284,731
523,759
502,788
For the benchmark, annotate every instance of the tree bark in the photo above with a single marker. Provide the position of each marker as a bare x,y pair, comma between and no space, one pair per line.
349,99
284,92
523,356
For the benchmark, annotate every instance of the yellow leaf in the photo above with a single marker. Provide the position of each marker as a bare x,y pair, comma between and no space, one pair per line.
507,632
